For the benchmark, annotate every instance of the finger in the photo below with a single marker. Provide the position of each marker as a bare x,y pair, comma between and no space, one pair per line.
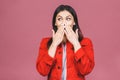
61,30
67,29
53,32
62,34
65,32
70,28
76,32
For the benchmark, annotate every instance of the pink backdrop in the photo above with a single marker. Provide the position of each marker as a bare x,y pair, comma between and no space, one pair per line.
23,23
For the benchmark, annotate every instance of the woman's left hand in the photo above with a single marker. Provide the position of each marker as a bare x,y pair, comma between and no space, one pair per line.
72,37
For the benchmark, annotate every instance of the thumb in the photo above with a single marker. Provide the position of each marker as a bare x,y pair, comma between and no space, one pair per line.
53,33
76,32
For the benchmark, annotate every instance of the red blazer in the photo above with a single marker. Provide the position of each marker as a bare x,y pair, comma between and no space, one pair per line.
79,64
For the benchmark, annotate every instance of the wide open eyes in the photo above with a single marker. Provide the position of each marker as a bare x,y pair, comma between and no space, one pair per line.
68,18
59,18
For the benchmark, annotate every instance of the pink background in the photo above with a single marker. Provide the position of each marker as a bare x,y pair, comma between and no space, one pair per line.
23,23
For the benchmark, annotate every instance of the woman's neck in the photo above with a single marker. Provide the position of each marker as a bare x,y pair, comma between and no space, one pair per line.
64,40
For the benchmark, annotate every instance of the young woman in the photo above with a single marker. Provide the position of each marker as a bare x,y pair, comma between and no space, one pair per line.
67,55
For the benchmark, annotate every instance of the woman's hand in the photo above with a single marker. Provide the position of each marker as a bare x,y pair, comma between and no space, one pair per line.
58,36
57,39
72,37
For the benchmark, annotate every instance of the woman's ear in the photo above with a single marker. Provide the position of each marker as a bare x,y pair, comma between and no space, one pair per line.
55,24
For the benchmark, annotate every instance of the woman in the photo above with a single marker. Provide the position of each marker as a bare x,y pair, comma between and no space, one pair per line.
67,55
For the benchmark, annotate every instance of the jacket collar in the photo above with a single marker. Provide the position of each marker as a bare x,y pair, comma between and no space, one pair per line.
68,45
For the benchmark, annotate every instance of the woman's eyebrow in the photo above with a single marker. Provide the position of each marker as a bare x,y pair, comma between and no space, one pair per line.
59,16
69,16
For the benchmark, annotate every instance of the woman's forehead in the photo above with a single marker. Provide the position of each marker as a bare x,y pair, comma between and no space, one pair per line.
64,13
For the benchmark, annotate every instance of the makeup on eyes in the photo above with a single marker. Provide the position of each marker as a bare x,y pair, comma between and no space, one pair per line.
68,18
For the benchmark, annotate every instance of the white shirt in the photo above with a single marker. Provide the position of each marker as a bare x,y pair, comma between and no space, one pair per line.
64,68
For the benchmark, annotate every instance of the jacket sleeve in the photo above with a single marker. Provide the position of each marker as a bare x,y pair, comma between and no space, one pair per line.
44,61
84,57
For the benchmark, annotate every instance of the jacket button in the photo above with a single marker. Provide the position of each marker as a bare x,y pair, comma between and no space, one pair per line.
58,67
59,52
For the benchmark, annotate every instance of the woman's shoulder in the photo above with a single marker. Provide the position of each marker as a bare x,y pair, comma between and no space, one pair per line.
86,41
44,40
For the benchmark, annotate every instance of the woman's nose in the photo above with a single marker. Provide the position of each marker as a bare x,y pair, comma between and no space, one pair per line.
64,22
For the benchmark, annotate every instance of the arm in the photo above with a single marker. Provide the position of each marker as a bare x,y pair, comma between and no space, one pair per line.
84,57
46,56
44,61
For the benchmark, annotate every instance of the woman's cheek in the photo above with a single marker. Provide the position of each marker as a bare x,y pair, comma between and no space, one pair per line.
59,24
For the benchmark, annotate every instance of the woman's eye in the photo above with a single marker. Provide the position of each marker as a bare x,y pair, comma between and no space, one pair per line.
59,19
68,19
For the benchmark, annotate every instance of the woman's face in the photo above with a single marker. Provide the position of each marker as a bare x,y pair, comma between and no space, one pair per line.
64,18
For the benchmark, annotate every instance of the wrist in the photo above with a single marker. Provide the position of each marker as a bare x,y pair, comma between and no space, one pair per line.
76,43
76,46
52,50
54,45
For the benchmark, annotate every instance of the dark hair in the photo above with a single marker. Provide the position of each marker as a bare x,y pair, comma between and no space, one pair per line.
76,26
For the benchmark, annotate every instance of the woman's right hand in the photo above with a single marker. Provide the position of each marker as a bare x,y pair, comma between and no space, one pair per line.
58,36
57,39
